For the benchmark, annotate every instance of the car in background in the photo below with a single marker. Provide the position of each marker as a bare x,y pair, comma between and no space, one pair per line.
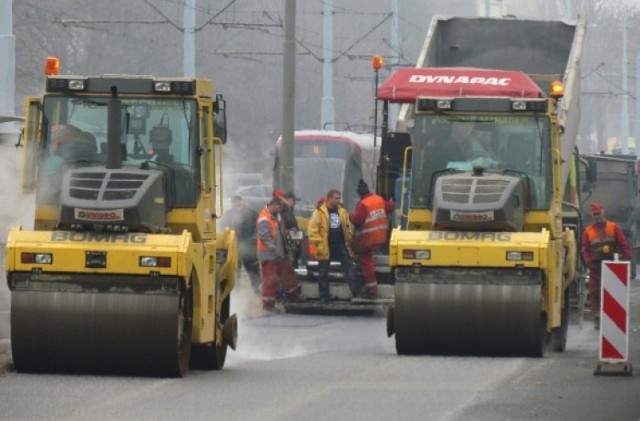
255,197
234,181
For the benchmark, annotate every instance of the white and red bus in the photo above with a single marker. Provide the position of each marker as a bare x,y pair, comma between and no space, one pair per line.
324,160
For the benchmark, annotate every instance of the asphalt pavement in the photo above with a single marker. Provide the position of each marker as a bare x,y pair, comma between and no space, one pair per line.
634,327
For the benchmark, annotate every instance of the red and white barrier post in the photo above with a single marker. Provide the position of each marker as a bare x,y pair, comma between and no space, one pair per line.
614,319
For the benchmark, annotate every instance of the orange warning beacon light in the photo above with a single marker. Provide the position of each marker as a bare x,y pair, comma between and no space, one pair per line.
557,89
377,62
51,66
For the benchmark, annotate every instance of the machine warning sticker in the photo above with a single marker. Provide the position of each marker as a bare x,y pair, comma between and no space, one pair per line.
473,236
98,237
98,215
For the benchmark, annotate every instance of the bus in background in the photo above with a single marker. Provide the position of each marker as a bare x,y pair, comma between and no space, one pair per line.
323,160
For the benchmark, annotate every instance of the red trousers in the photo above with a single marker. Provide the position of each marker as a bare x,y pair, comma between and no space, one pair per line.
273,273
368,269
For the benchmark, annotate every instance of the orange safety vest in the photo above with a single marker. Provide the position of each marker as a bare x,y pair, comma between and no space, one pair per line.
373,233
273,225
598,239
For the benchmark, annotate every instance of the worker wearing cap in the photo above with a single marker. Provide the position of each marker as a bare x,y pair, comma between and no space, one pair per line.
287,213
371,231
275,266
290,221
600,241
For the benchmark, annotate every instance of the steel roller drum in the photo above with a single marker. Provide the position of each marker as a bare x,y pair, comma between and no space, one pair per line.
89,332
468,318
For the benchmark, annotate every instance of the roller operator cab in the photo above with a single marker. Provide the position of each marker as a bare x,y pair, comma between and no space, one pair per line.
124,271
488,245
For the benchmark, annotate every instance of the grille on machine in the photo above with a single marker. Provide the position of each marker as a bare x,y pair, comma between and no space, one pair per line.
105,185
473,190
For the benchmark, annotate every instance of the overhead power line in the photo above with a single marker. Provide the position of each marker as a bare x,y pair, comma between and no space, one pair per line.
84,22
276,22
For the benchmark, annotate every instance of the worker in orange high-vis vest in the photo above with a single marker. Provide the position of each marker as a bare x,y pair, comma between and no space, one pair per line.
275,265
371,231
600,241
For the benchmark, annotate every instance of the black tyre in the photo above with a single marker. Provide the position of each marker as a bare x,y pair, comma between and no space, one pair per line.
559,334
185,326
212,356
541,340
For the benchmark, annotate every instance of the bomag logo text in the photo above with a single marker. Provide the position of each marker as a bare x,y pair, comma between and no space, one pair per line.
98,237
473,236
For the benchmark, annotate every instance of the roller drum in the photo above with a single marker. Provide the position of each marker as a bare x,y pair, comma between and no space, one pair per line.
100,332
466,318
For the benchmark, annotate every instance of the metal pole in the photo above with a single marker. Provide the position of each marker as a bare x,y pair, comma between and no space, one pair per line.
189,17
637,116
393,63
288,97
7,64
375,112
624,110
375,135
327,111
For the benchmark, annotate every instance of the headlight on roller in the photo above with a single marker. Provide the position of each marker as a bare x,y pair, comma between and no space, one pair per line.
76,84
37,258
416,254
162,87
520,255
155,262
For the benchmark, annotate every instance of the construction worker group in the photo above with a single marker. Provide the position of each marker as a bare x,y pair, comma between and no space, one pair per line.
334,235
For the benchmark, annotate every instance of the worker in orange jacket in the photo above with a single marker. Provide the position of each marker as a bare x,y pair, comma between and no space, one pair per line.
600,241
275,265
371,232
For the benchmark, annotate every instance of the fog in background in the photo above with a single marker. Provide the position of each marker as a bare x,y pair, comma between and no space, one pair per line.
239,45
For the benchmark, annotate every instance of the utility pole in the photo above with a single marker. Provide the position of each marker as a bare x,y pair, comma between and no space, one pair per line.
327,113
7,65
189,56
288,97
394,109
624,106
637,123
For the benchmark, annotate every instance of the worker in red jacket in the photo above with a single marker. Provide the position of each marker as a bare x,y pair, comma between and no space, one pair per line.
600,241
371,232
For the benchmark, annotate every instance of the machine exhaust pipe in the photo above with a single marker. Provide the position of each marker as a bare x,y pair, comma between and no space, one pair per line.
114,124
